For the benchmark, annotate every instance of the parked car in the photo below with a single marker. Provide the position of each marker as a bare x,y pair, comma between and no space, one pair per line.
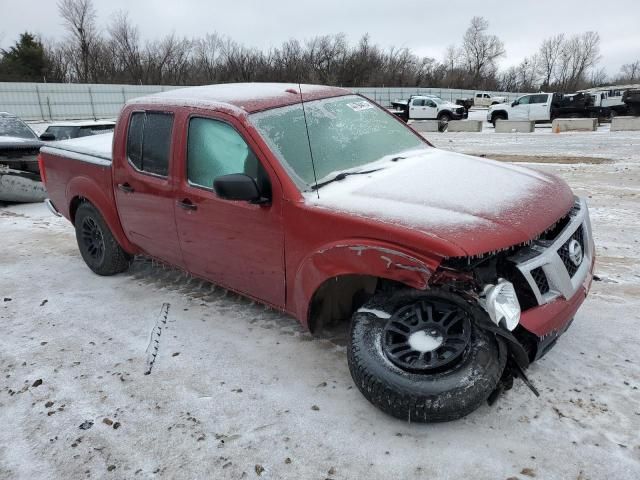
455,271
19,174
68,130
545,107
428,107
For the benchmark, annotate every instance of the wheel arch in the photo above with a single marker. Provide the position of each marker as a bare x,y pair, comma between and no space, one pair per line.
499,114
83,189
342,271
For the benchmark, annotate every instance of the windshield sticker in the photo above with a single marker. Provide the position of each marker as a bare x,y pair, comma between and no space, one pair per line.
359,106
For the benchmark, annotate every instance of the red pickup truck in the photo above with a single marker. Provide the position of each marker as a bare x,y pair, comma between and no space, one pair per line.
454,271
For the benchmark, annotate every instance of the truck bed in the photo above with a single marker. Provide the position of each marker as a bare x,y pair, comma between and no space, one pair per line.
96,147
80,167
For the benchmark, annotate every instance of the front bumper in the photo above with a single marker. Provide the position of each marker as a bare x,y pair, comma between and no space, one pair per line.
557,283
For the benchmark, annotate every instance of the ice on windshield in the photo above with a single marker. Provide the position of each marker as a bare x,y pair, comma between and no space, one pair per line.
345,133
14,127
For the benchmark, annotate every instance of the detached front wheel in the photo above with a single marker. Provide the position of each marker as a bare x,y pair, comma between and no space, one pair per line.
421,357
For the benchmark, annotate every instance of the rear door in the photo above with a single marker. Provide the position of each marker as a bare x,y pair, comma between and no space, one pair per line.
539,107
144,188
239,245
417,110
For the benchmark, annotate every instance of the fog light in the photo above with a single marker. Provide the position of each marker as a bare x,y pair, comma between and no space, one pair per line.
501,303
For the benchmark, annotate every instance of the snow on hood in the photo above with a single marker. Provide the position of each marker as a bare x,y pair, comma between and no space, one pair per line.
478,204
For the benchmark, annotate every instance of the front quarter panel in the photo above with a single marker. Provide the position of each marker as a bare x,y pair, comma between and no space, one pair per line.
357,256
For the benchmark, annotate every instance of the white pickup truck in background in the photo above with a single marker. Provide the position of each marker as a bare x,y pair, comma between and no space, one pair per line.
428,107
544,107
486,99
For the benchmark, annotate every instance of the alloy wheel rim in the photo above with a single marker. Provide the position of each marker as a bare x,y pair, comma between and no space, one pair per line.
93,239
426,336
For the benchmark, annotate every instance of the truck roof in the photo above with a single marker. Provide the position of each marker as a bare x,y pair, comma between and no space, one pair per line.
248,97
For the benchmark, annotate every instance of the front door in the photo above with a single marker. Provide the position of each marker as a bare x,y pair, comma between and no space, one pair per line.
520,111
144,190
239,245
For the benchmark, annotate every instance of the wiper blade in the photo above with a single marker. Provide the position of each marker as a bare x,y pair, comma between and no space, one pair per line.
342,176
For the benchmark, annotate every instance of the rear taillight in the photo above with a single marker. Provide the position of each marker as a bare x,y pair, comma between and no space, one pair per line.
43,173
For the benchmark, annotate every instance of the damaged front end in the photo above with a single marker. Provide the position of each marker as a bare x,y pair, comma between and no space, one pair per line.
530,292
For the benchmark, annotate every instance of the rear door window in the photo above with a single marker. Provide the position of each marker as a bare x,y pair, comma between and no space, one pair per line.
149,142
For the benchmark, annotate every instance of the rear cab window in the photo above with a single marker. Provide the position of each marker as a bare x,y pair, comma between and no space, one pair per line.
149,142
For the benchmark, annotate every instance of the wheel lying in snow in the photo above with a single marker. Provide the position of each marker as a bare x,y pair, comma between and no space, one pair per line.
98,247
421,357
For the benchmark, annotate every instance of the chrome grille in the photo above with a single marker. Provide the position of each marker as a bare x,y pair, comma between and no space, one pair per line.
546,264
541,280
571,267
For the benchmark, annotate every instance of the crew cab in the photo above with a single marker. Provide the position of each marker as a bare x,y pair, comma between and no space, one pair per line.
545,107
455,272
428,107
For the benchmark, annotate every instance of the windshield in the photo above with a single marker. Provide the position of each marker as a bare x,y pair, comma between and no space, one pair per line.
14,127
345,133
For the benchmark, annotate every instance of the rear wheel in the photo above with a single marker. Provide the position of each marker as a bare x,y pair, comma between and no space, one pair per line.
420,356
98,247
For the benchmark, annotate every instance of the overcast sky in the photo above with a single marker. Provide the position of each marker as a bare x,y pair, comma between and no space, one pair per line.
427,27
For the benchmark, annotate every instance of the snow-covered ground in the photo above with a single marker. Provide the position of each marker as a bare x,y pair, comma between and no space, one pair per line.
239,391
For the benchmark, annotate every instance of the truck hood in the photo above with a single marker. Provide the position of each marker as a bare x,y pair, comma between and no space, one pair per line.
499,106
476,204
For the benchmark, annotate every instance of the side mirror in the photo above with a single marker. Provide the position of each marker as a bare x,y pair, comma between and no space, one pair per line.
47,137
239,187
514,103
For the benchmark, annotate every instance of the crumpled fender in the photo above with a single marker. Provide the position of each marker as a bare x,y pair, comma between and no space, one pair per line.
87,188
358,257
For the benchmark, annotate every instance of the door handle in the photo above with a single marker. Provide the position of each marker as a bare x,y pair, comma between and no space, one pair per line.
187,204
126,188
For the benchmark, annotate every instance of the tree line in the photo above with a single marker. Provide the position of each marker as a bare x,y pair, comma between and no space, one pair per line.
117,54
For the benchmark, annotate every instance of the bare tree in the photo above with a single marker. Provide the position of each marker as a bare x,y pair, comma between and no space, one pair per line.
480,49
548,58
80,21
630,72
125,45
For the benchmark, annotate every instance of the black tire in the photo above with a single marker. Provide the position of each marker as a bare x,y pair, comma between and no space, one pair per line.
444,117
498,116
98,247
447,393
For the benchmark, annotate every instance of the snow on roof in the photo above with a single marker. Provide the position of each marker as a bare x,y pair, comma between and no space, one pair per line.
250,97
83,123
95,146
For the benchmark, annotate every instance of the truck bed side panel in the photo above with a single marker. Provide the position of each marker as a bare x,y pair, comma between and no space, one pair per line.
68,178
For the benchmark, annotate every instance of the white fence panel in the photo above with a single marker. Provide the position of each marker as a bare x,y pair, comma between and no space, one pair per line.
66,101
